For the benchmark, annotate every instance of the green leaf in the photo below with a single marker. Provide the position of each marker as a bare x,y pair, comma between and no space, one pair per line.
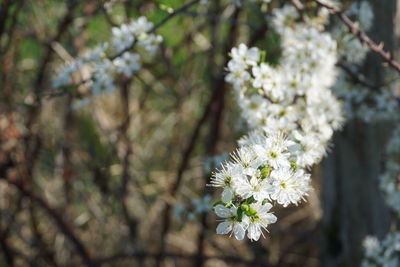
219,202
250,200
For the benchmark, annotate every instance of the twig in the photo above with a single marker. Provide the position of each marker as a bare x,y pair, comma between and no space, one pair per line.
215,127
6,249
43,250
158,25
61,224
300,8
39,81
4,9
361,35
358,77
154,29
225,258
125,159
178,179
10,32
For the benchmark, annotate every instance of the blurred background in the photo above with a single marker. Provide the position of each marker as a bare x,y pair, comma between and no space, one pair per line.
118,178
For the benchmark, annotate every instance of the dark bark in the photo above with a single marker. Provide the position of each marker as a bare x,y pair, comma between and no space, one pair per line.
352,202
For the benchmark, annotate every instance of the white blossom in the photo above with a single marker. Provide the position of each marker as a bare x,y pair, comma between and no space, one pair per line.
289,186
230,224
260,220
247,56
122,38
96,68
127,64
237,73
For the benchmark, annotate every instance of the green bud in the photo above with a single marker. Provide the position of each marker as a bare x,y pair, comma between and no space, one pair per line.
263,55
245,207
251,212
293,165
265,172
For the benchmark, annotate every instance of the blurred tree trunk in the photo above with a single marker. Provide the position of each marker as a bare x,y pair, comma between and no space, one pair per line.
352,202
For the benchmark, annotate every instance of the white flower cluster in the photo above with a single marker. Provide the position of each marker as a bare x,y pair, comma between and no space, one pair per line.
383,254
103,67
367,104
292,113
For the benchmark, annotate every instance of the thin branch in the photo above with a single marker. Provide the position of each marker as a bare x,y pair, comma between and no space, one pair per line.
4,9
173,14
178,179
178,11
361,35
219,86
149,255
61,224
158,25
40,78
6,249
358,77
125,159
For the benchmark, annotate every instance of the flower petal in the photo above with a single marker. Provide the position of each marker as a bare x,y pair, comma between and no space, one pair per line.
224,228
222,211
239,231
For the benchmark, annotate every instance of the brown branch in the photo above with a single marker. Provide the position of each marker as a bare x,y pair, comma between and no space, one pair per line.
32,147
361,35
43,250
4,9
61,29
125,140
154,29
215,127
358,77
149,255
178,179
11,28
158,25
173,14
61,224
6,249
300,8
67,168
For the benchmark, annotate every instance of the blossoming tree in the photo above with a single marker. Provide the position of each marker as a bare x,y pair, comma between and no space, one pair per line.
147,133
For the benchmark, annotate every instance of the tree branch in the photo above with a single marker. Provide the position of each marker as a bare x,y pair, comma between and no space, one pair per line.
61,224
361,35
225,258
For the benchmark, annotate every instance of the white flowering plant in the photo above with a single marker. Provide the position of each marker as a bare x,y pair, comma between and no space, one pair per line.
292,114
124,179
98,66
